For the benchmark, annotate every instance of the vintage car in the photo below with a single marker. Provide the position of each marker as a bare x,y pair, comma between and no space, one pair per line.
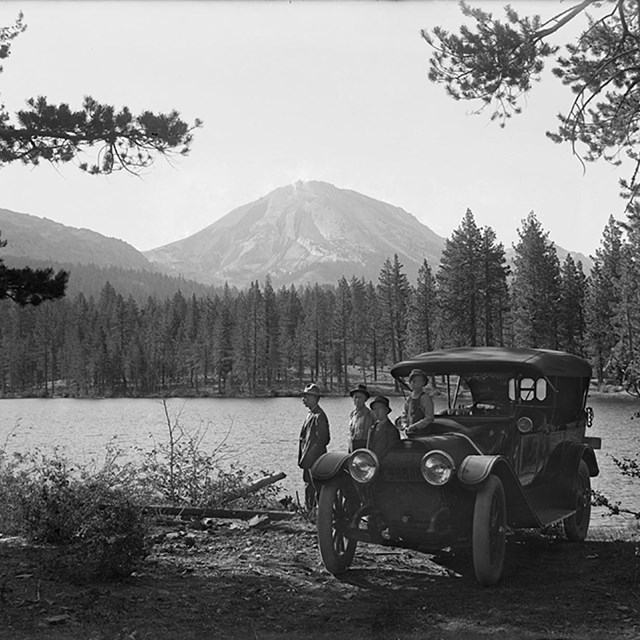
507,451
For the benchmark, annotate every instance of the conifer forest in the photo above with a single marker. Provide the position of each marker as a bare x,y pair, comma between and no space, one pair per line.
263,340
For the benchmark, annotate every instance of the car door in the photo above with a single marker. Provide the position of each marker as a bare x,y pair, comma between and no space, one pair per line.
532,428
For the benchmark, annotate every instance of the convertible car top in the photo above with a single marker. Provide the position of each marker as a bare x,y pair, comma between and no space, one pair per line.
540,362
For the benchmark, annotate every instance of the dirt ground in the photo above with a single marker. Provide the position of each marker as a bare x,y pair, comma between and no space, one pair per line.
231,580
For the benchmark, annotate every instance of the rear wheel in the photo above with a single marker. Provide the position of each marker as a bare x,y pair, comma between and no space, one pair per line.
489,532
336,506
577,525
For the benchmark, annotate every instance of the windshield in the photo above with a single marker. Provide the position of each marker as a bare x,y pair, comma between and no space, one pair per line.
477,394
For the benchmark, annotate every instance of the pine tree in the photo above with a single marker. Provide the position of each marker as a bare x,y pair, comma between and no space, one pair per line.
496,62
374,315
272,331
423,316
493,289
536,288
318,348
571,308
291,325
208,322
250,338
223,340
626,353
343,312
394,295
77,361
459,281
30,286
58,134
362,326
603,300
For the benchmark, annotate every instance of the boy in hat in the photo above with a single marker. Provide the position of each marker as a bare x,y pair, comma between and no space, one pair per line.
361,418
418,408
383,434
314,438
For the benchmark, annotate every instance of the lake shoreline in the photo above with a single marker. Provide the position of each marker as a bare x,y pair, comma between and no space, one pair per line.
383,387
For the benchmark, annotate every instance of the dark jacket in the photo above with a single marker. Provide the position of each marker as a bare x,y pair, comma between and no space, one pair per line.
314,437
381,436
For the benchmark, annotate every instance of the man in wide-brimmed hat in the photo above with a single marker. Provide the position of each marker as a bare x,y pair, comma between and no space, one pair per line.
418,408
361,418
314,438
383,434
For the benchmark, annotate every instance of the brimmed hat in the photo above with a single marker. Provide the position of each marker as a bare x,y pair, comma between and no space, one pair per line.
312,390
418,372
361,388
380,400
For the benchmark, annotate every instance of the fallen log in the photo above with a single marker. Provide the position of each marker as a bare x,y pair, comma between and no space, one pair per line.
256,486
234,514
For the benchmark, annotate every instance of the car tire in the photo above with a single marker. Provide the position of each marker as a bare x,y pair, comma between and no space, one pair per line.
489,532
336,505
577,525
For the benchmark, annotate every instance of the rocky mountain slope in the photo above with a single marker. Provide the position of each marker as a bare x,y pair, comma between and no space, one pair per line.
305,232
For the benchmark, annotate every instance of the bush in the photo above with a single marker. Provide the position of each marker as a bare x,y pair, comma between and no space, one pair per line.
629,467
178,472
111,540
12,483
97,522
96,517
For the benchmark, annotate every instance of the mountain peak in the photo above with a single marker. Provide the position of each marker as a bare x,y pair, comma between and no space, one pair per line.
308,231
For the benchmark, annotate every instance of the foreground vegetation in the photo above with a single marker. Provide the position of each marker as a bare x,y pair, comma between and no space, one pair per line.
97,515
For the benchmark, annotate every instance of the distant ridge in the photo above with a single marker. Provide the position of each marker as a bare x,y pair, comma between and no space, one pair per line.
28,236
306,232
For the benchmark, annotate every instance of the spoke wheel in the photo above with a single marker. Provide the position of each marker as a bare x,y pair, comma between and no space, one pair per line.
489,532
577,525
336,505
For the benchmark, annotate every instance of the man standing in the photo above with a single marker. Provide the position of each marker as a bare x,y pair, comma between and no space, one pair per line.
361,418
314,438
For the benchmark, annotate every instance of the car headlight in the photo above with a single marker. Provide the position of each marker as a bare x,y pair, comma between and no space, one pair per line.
437,467
363,466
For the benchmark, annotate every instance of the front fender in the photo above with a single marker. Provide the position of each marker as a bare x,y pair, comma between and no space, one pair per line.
328,465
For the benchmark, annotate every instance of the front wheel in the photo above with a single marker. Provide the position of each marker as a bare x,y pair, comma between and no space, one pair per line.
577,525
336,506
489,532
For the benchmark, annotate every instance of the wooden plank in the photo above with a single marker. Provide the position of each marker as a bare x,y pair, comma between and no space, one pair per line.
235,514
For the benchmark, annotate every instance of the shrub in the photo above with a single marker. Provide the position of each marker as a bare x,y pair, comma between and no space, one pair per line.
629,467
110,542
98,524
12,482
179,472
95,516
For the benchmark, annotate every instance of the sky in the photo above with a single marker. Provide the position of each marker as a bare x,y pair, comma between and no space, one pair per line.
288,91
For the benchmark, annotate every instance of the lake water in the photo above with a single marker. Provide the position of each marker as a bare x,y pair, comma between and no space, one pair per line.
260,434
